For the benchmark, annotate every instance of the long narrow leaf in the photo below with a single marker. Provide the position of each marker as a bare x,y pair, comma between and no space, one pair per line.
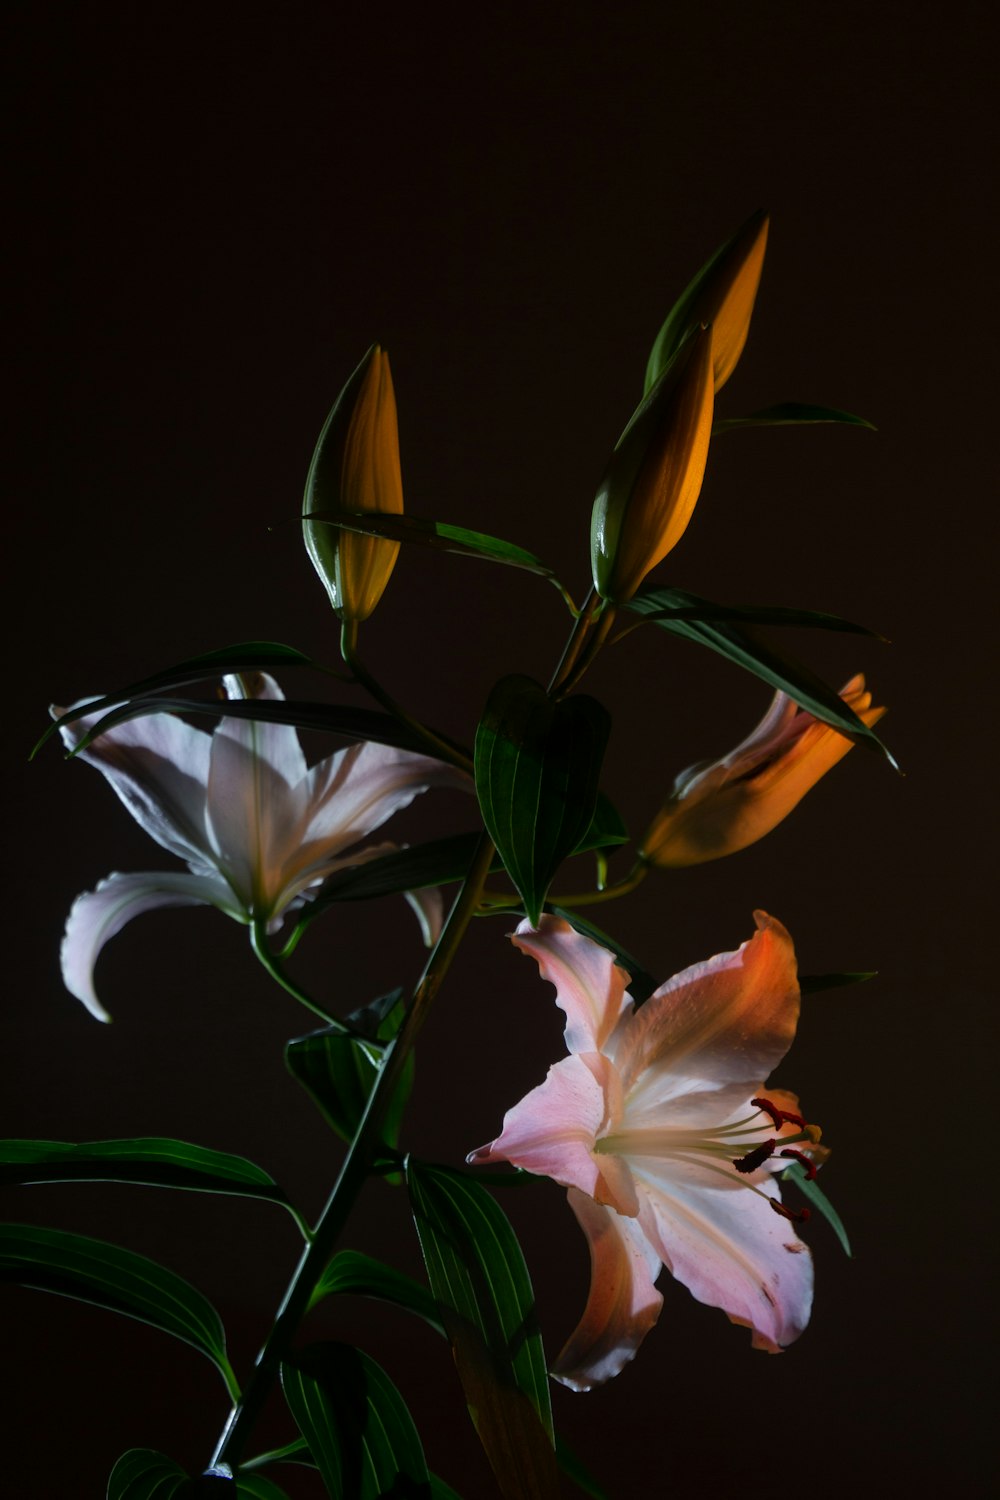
144,1474
438,534
678,604
89,1270
244,657
356,1424
771,666
146,1160
813,984
815,1196
478,1275
350,1272
792,414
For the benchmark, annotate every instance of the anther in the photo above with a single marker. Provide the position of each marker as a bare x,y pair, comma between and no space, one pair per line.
778,1116
755,1158
799,1215
800,1156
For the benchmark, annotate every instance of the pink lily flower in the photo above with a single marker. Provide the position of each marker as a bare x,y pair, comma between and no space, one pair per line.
258,830
658,1124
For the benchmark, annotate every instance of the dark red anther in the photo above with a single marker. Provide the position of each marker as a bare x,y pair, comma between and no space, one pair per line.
799,1215
755,1158
778,1116
800,1156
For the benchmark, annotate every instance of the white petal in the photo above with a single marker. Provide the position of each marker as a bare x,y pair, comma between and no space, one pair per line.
158,765
97,915
356,790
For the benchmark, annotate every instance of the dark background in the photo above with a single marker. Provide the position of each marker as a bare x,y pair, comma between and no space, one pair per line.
216,210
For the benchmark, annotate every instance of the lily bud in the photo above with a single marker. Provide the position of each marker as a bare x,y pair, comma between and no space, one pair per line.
719,807
723,294
355,466
653,479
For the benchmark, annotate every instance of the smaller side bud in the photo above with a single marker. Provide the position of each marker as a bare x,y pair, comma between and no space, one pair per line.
355,467
653,479
723,294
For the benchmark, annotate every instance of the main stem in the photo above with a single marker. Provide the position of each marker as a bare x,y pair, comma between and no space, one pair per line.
353,1173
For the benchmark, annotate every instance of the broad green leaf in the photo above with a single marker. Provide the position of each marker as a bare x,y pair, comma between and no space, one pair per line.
537,767
350,723
812,984
478,1275
677,604
765,662
147,1160
89,1270
819,1201
339,1073
351,1272
144,1474
641,983
438,534
246,656
792,414
356,1424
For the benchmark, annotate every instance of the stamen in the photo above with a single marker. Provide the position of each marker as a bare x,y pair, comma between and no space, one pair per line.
800,1156
778,1116
799,1215
756,1157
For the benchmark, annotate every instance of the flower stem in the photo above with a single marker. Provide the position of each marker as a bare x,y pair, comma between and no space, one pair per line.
572,648
259,943
354,1171
436,746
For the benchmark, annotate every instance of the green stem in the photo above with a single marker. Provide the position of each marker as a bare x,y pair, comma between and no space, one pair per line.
275,1455
355,1169
610,893
586,657
436,746
572,647
259,943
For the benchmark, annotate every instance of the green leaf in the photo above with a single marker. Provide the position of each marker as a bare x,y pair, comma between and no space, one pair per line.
677,604
641,983
812,984
575,1469
606,827
361,1275
437,534
771,666
339,1073
154,1161
478,1275
537,766
356,1424
350,723
246,656
442,1491
144,1474
820,1202
258,1487
792,414
89,1270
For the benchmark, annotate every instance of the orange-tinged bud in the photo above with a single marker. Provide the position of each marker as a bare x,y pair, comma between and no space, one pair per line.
723,294
654,476
355,467
720,807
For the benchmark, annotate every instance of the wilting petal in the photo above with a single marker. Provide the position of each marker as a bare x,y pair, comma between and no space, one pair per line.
97,915
553,1130
623,1303
590,987
726,1020
730,1249
158,765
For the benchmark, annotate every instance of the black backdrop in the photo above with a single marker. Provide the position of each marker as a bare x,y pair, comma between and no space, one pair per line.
216,211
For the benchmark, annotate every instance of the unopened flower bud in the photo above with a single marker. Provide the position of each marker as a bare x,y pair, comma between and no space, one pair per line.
654,476
355,467
722,294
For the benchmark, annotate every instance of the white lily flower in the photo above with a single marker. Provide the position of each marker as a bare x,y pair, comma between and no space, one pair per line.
258,830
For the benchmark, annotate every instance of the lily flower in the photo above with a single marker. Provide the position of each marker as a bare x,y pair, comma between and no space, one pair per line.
659,1125
258,830
718,807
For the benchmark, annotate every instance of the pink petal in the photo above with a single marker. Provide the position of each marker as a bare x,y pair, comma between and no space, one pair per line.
354,791
97,915
724,1021
729,1248
590,987
623,1303
553,1131
158,765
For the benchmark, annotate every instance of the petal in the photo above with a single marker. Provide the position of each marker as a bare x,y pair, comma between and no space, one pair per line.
623,1303
97,915
356,790
590,987
158,765
428,908
554,1129
729,1248
724,1021
277,744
